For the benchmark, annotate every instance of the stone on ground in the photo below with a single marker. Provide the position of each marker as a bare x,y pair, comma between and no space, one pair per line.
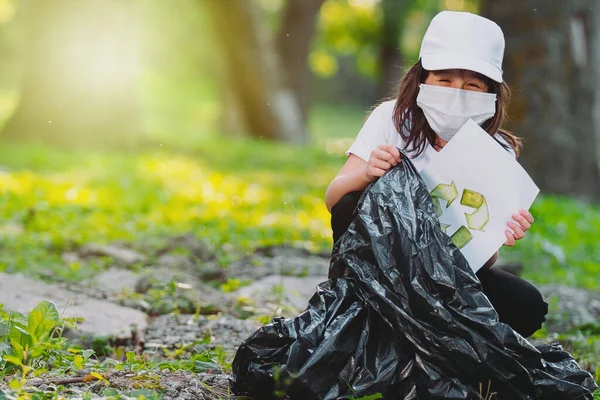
288,294
121,255
177,330
570,307
100,317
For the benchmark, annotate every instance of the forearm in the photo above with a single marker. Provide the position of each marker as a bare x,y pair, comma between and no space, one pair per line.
353,181
491,261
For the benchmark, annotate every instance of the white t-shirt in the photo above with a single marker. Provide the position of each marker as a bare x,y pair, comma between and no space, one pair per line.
380,129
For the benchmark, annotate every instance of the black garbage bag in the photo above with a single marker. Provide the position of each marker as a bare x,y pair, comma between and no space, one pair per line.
403,316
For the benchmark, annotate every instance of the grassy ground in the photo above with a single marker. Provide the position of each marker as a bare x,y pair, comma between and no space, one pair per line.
234,191
237,193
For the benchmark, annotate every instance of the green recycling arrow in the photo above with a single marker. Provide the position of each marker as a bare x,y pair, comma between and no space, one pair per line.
461,237
477,220
481,216
444,227
445,192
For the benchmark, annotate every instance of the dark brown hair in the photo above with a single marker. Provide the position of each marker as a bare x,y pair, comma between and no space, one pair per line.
410,121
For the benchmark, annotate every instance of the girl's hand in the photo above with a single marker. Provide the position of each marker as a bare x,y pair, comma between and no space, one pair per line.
382,159
522,222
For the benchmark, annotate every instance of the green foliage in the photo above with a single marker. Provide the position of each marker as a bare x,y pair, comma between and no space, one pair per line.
562,243
346,28
253,193
42,319
30,346
355,28
231,285
171,297
235,194
31,341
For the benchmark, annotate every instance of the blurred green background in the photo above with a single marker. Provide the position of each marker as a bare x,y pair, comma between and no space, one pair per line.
136,120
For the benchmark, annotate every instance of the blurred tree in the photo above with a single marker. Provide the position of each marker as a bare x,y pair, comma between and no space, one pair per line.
390,57
552,61
296,32
9,34
347,28
362,46
260,99
79,81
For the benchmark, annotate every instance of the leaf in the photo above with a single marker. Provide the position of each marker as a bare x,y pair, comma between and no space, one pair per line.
4,348
130,355
94,375
110,392
18,350
202,366
14,360
4,328
98,376
42,319
87,353
20,335
144,393
15,384
37,350
78,361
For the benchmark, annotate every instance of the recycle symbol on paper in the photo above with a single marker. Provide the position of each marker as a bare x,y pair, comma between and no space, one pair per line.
476,220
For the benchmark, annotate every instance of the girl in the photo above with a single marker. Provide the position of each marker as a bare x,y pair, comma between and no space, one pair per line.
458,77
403,316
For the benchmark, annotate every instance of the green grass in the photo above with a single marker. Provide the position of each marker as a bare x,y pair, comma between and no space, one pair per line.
562,245
236,193
231,191
243,193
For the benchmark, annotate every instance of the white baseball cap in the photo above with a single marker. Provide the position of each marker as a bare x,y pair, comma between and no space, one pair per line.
461,40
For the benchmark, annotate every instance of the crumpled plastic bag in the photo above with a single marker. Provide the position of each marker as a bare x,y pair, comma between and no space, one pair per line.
403,315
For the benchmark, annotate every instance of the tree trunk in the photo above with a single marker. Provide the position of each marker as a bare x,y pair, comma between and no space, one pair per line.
390,58
298,23
251,73
552,62
79,82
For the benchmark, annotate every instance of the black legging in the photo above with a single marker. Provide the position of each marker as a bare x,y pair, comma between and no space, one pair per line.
518,303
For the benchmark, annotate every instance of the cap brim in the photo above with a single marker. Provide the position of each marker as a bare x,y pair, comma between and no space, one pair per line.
434,62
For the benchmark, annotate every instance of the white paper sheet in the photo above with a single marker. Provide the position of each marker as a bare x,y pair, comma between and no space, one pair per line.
473,169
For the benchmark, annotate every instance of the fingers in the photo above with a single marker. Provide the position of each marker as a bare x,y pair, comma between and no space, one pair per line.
393,150
510,239
374,173
518,232
527,215
385,155
381,160
379,163
523,221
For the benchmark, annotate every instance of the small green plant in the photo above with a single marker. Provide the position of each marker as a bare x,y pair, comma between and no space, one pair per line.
27,342
30,344
231,285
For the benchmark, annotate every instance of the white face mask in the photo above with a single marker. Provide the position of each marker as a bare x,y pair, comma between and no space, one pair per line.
448,109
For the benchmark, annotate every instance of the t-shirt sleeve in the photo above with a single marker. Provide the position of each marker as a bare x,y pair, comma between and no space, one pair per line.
372,134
